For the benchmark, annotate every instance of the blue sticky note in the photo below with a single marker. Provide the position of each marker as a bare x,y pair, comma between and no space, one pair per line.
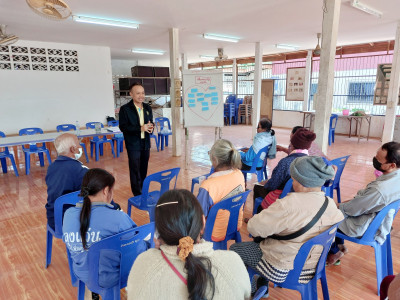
214,103
204,108
191,101
214,98
199,94
214,94
192,105
212,88
191,95
194,90
204,103
200,99
207,95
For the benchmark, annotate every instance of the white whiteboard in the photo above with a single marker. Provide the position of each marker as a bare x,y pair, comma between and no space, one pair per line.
203,98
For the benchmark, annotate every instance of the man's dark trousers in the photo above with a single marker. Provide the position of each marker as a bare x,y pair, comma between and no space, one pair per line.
138,163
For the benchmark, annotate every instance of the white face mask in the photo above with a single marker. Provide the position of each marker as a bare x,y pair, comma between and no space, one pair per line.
78,155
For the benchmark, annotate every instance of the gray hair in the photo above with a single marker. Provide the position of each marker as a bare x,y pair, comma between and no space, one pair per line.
64,142
225,155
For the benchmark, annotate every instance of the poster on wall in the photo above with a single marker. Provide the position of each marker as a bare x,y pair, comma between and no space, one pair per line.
382,84
203,98
295,78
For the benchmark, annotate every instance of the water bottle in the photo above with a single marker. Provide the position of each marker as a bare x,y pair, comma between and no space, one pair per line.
78,129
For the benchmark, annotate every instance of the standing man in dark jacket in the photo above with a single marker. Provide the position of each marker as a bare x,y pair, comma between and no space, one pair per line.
136,123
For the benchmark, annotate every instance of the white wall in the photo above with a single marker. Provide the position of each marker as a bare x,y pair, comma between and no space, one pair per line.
46,99
289,119
121,67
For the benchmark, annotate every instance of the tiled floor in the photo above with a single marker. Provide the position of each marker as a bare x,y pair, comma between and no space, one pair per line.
23,218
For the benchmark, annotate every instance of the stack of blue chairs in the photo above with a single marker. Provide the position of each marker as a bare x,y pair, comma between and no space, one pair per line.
229,113
236,101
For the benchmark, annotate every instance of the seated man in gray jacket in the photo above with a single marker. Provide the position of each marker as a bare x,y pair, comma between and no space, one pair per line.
362,209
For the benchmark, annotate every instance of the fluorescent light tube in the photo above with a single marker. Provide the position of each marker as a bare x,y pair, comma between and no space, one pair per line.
285,46
365,8
207,56
145,51
220,38
99,21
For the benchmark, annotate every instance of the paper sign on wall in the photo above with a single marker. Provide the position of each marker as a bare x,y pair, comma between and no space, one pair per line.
295,78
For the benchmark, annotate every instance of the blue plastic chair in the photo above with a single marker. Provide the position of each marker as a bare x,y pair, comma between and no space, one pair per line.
238,101
309,290
31,149
163,131
383,253
69,127
152,136
148,200
259,171
332,128
196,180
117,138
340,163
6,154
97,142
67,199
229,113
286,190
128,245
234,205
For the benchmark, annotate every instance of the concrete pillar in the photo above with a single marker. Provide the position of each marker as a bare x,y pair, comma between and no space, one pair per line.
323,106
393,93
175,93
255,117
307,80
187,147
234,76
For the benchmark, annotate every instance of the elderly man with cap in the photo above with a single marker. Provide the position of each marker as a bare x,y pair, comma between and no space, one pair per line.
273,257
300,143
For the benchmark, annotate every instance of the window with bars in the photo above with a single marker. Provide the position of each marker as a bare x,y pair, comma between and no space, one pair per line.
354,82
361,92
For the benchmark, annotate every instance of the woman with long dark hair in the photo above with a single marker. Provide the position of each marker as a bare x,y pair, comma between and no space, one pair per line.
91,220
185,266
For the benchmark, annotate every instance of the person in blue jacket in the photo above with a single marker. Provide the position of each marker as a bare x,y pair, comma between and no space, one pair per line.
265,137
65,174
92,220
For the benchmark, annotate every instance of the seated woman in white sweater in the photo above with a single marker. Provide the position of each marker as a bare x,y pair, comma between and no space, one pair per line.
184,266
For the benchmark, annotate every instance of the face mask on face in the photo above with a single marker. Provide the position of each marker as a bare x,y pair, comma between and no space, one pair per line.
377,165
78,155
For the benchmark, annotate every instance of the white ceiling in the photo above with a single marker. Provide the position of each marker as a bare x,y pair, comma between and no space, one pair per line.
271,22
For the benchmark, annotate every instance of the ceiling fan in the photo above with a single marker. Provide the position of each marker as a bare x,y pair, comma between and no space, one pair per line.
317,50
6,39
52,9
221,55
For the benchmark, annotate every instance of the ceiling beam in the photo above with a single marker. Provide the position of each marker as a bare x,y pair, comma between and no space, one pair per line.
384,46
